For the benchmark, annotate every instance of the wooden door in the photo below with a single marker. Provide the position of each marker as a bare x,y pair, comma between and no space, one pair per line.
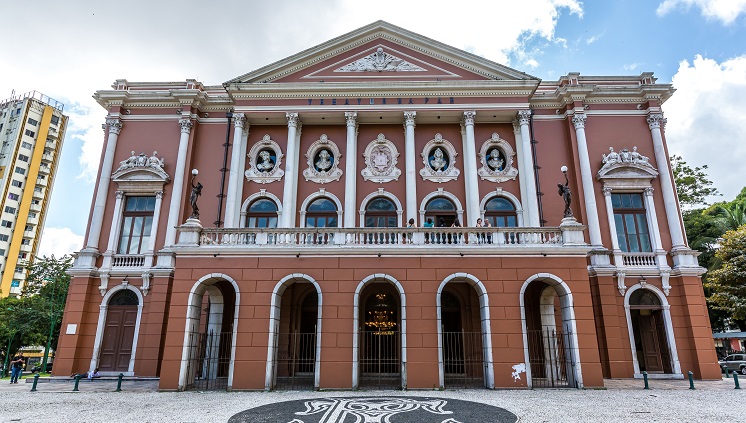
650,345
119,333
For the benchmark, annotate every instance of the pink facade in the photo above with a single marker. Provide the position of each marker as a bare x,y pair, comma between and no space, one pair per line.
299,271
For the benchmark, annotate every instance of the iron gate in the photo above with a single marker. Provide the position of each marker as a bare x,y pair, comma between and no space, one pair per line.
463,360
296,361
209,361
380,362
551,360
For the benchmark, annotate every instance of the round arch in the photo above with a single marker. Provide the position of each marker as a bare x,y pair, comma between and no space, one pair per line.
322,192
442,193
205,285
256,196
378,277
380,193
666,309
274,325
103,308
568,320
508,196
484,313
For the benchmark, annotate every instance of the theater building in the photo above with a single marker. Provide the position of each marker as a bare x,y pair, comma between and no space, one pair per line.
254,234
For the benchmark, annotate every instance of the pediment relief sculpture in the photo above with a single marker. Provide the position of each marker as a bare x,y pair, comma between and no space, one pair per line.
626,164
381,157
141,167
323,161
496,157
265,160
439,158
380,61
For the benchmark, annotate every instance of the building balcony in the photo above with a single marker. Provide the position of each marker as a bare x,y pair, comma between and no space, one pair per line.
41,182
35,207
44,170
127,260
563,240
48,157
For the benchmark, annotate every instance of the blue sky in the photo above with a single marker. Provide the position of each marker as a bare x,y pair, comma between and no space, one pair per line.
84,45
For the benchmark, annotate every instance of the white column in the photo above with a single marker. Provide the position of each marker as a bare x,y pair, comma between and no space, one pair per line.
591,210
351,170
174,208
521,180
241,173
114,231
115,126
231,210
667,188
410,167
618,261
531,202
291,173
470,171
153,229
652,217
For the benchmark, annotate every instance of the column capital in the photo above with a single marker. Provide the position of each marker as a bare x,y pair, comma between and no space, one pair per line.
239,119
606,191
120,195
159,195
649,191
115,125
578,119
409,118
186,125
524,116
293,119
469,116
351,118
655,120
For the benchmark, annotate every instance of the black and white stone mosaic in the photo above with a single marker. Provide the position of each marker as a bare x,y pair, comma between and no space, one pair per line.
375,410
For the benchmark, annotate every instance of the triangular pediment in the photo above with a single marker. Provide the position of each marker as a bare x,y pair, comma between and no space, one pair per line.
381,52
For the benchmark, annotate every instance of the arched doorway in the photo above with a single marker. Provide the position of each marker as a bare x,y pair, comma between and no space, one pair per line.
500,212
648,326
119,332
441,208
380,337
262,213
461,337
209,345
550,335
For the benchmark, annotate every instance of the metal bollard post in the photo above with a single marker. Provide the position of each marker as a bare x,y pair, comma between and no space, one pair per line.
36,380
735,379
645,378
727,373
77,381
119,382
691,380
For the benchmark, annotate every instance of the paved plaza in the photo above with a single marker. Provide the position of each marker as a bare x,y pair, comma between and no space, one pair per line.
140,401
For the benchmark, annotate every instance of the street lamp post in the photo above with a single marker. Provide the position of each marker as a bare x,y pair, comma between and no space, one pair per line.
7,353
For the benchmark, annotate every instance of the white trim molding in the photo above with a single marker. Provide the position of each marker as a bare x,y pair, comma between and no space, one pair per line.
385,194
440,192
498,192
101,326
255,196
321,193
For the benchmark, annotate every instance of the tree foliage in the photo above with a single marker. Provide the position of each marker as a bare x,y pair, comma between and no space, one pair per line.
693,185
728,282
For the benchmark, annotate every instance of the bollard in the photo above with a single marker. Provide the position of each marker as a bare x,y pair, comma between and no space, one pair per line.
735,379
77,381
119,382
691,380
645,377
36,380
727,373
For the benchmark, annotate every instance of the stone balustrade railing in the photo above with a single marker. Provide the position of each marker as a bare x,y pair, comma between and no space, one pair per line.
639,259
127,260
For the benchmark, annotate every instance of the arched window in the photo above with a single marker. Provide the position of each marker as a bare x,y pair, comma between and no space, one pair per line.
644,298
440,208
500,212
321,213
262,213
380,213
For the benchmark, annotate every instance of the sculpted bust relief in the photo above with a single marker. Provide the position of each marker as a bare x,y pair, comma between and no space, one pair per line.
495,162
324,163
438,162
266,163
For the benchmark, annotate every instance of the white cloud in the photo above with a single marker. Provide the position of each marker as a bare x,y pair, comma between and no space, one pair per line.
593,39
725,11
706,119
59,241
632,66
532,63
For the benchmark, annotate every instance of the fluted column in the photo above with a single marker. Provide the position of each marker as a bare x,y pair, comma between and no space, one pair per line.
177,195
291,173
589,195
531,202
351,170
667,189
410,166
471,178
115,127
231,202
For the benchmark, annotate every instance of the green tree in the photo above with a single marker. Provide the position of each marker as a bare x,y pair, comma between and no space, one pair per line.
692,184
728,282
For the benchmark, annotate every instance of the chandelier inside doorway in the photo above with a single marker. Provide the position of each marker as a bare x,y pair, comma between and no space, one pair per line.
380,316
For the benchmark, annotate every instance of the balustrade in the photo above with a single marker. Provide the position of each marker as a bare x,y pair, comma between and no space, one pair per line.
639,259
128,260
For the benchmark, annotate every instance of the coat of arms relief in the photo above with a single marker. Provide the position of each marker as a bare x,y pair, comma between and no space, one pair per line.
380,161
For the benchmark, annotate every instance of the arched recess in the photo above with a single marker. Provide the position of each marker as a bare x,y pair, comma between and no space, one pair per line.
209,352
321,193
663,329
257,195
102,323
440,192
508,196
357,345
487,367
550,348
275,316
380,193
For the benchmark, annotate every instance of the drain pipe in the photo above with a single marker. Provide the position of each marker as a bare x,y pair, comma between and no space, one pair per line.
229,116
542,221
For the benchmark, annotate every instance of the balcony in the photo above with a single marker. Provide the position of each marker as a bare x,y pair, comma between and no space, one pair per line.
47,157
35,207
44,169
639,260
41,181
567,239
127,260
